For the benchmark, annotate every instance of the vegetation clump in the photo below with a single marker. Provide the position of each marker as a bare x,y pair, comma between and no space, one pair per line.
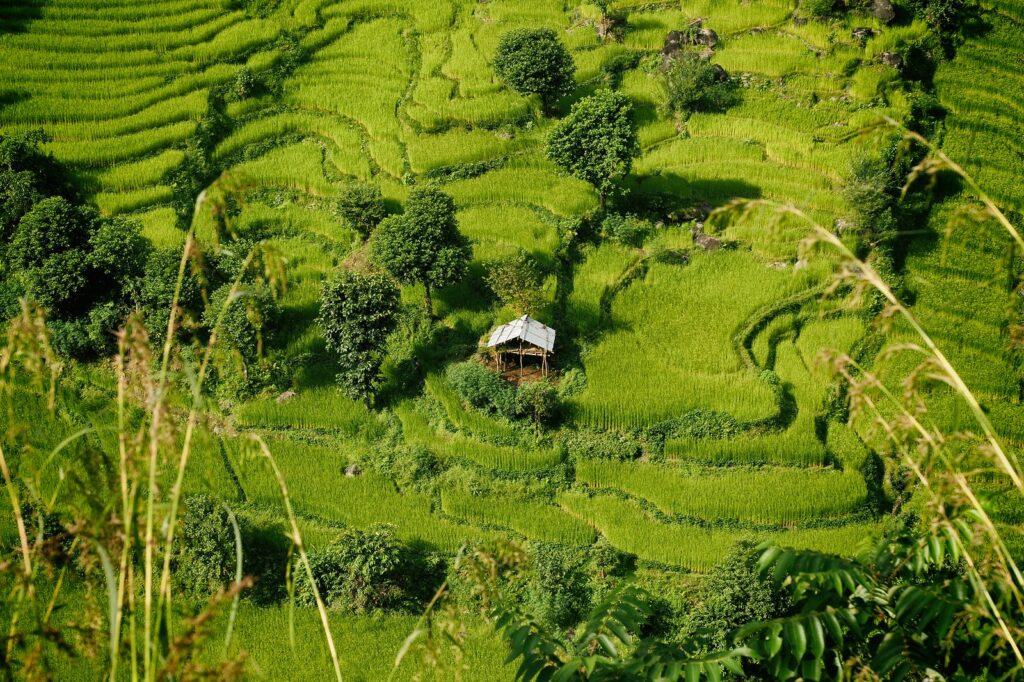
534,62
357,313
362,206
517,281
597,141
693,83
423,245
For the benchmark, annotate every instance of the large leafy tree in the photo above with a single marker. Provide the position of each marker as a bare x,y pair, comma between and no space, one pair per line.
357,313
423,245
533,61
597,141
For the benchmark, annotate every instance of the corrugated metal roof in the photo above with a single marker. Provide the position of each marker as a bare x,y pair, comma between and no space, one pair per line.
527,329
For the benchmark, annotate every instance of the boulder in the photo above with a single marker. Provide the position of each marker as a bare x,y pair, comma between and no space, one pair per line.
353,470
861,34
883,10
285,397
891,59
721,75
704,240
705,36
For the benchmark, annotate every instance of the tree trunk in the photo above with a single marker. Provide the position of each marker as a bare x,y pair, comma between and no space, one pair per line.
602,198
427,301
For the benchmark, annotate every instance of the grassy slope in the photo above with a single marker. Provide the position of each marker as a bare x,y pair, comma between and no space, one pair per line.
399,88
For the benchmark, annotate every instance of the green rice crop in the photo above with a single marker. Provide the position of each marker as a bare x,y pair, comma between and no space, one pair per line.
631,529
140,174
498,230
112,203
417,429
522,184
764,496
535,520
160,226
110,150
670,348
320,408
298,166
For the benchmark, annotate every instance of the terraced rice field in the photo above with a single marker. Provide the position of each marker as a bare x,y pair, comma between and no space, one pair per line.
401,92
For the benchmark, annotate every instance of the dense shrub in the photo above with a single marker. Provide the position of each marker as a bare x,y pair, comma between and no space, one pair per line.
733,594
612,445
157,291
362,205
819,9
597,141
27,175
249,321
83,270
482,388
368,570
205,548
538,401
517,281
533,61
873,470
625,229
357,313
946,17
692,83
560,591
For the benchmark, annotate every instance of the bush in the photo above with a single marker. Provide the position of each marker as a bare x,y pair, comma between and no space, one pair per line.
533,61
560,592
362,206
157,291
368,570
250,320
819,9
357,314
693,83
118,256
206,548
517,281
873,470
625,229
733,594
611,445
539,401
482,388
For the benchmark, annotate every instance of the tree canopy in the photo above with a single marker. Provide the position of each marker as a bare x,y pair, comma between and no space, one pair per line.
423,245
357,313
597,141
533,61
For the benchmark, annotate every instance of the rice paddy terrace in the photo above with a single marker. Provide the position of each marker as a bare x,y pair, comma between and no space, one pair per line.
400,93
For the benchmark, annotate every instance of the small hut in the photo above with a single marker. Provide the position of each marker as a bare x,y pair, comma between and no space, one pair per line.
525,338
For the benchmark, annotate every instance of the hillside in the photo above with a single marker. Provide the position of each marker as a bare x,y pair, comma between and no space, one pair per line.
696,410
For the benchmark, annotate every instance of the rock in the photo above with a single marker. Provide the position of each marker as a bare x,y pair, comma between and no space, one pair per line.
883,10
891,59
778,265
705,36
285,397
863,33
843,225
721,75
353,470
674,41
703,240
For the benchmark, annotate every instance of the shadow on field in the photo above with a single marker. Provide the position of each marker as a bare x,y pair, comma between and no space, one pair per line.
668,193
16,15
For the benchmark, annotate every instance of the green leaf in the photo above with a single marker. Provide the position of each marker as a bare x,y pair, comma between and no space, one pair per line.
816,636
796,638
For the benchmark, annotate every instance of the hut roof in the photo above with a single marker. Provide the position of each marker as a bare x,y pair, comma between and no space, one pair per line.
526,329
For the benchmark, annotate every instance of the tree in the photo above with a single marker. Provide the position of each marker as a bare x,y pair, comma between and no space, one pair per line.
157,290
423,245
206,547
597,141
27,175
533,61
357,313
249,321
118,256
693,83
360,572
50,249
362,206
516,280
